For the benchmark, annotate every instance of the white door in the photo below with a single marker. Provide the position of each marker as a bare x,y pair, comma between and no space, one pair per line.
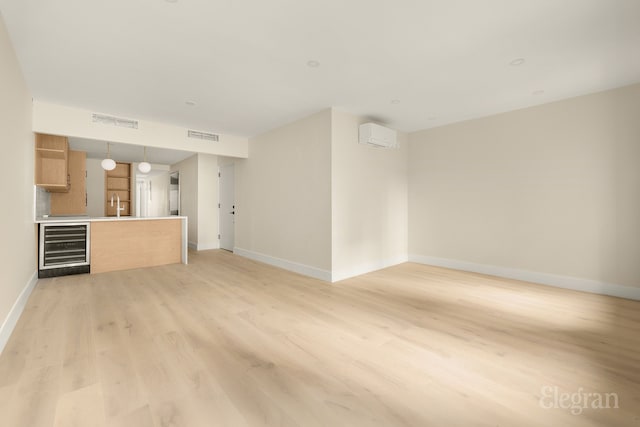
227,207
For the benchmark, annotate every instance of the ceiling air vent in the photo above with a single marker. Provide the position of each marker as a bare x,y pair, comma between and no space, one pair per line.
203,135
115,121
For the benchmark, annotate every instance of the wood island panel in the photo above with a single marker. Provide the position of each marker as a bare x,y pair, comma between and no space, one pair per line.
127,244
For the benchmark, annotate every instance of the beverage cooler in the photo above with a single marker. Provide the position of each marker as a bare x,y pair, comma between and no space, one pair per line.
64,249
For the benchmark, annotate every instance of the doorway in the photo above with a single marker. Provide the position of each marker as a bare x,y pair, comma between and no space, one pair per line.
227,206
174,193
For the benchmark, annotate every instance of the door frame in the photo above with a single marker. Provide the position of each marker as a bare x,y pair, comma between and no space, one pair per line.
221,183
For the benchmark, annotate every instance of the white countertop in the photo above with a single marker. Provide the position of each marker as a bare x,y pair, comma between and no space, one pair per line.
103,218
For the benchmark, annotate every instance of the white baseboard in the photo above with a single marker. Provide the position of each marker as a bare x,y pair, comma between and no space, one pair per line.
203,246
207,246
14,314
367,268
303,269
566,282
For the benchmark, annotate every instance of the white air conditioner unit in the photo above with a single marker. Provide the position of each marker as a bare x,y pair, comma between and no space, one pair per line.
377,136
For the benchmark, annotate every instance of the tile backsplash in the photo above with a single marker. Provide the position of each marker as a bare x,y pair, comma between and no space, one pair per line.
43,202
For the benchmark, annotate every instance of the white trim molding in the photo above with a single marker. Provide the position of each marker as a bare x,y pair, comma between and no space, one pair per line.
566,282
185,240
11,320
365,268
305,270
207,246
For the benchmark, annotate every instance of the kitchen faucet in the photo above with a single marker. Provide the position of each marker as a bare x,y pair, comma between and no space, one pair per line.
118,208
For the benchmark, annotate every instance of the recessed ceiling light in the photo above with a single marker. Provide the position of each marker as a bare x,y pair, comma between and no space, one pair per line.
171,1
313,64
537,92
516,62
395,101
190,103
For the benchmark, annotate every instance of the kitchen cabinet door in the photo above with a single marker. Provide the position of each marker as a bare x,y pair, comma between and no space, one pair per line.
73,202
52,162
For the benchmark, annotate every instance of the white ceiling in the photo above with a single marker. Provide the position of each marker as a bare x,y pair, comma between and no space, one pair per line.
244,62
127,152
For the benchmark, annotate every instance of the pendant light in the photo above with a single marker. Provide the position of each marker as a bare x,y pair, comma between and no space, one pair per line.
144,167
108,164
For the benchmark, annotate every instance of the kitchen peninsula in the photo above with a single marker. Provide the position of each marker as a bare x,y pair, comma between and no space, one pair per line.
129,242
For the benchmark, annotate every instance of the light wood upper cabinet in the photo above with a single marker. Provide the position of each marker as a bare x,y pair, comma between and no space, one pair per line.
52,162
74,201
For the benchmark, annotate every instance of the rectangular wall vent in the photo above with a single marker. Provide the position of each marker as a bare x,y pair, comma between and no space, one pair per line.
115,121
203,135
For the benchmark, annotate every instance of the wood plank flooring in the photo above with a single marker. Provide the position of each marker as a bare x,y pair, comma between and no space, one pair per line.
226,341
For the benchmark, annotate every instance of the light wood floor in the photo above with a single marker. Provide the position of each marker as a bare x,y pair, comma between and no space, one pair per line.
226,341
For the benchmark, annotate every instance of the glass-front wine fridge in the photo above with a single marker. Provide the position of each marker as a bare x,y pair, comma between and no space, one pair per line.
64,248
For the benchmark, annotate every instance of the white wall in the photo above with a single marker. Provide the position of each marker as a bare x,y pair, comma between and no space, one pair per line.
95,188
208,202
283,197
74,122
188,169
18,259
369,201
311,199
199,199
552,189
223,161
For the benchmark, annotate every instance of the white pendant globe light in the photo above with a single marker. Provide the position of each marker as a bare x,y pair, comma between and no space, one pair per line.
108,164
144,167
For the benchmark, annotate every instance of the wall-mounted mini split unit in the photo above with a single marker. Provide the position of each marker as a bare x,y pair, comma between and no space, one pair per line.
203,135
377,136
115,121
